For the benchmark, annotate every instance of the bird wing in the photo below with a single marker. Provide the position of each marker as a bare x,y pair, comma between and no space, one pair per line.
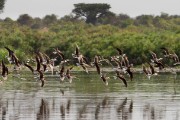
166,51
47,58
9,51
152,68
97,68
120,52
145,70
3,68
123,79
175,58
62,70
130,73
31,68
16,59
41,75
60,54
154,56
77,50
38,65
103,77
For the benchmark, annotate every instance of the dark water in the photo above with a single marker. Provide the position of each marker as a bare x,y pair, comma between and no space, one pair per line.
89,99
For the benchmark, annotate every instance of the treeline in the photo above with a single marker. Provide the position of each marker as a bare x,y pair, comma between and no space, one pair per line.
135,36
163,21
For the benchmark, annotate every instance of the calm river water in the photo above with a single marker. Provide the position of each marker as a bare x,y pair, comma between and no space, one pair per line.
87,98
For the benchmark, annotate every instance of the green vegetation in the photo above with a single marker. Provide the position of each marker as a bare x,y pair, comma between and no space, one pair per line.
135,36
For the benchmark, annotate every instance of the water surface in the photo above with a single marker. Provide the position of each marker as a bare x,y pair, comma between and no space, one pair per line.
89,99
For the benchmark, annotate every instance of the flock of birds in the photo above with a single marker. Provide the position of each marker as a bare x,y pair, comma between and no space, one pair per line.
119,63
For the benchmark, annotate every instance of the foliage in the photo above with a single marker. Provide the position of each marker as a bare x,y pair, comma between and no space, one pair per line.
92,12
135,36
49,19
25,19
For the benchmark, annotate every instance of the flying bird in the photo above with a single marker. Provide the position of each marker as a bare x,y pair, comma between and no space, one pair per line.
121,77
104,79
68,75
12,58
130,73
38,64
76,52
30,67
149,71
62,73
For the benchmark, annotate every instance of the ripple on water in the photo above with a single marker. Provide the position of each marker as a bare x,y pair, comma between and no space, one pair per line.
88,98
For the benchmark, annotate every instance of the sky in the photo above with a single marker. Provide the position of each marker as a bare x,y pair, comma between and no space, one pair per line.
133,8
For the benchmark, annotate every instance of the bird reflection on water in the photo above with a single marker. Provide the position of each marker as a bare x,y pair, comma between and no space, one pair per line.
50,105
43,113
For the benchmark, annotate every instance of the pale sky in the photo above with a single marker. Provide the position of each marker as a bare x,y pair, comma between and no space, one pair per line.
133,8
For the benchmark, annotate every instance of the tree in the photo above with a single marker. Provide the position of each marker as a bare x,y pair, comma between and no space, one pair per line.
25,19
144,20
110,18
37,23
2,2
70,17
123,16
92,12
124,20
164,16
8,19
49,19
